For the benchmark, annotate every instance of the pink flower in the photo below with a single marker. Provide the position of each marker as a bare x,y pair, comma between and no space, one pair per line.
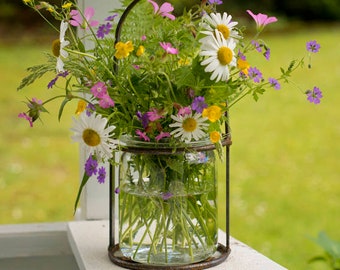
142,135
168,47
106,102
99,90
261,19
164,10
162,135
78,20
26,117
184,111
154,115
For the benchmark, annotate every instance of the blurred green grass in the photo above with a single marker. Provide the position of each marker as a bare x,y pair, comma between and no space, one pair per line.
284,159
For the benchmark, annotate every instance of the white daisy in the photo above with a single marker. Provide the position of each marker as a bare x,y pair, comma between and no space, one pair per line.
189,126
220,55
63,44
222,23
91,133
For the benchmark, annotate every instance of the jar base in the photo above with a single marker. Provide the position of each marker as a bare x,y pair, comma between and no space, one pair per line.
119,259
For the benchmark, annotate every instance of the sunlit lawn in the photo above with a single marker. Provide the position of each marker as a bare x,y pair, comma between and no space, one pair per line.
285,169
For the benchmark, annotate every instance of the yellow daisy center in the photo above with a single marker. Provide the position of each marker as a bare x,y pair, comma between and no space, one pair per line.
189,124
224,55
56,47
224,30
91,137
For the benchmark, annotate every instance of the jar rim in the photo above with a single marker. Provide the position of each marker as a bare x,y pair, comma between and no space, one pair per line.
134,144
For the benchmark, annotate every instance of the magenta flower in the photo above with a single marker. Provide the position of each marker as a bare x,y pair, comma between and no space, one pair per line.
314,95
78,20
154,115
184,111
261,19
313,46
168,47
99,90
167,195
164,10
106,102
162,135
26,117
142,135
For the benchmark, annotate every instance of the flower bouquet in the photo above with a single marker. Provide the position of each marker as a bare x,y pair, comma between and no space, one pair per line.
156,84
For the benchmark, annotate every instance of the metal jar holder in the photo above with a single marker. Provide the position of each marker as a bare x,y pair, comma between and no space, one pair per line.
114,252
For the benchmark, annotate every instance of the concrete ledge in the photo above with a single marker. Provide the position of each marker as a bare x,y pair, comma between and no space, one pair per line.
89,242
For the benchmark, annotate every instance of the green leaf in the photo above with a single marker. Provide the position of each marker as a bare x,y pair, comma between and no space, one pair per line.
82,184
61,109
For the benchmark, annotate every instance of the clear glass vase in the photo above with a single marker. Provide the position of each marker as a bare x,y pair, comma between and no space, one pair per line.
167,202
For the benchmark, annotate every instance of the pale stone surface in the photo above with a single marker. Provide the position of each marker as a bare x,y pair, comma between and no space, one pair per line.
89,242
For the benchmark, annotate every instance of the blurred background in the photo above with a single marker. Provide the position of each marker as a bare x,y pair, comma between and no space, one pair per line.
285,173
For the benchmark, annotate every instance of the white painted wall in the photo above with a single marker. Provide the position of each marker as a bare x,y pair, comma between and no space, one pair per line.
94,202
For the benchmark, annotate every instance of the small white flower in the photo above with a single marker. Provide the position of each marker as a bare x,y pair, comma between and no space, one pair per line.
220,55
91,133
189,126
63,43
222,23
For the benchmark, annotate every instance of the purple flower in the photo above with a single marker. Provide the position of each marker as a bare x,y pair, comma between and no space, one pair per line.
255,74
217,2
143,118
199,104
314,95
104,30
53,81
257,45
274,83
111,18
91,166
267,54
167,195
312,46
101,175
90,108
117,190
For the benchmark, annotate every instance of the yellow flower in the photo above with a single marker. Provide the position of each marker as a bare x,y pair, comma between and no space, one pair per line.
213,113
123,49
67,5
81,106
243,65
27,1
215,136
140,50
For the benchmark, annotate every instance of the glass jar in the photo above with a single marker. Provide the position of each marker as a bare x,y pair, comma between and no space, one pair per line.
167,202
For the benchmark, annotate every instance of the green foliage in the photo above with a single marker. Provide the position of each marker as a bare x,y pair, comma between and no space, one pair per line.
331,249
